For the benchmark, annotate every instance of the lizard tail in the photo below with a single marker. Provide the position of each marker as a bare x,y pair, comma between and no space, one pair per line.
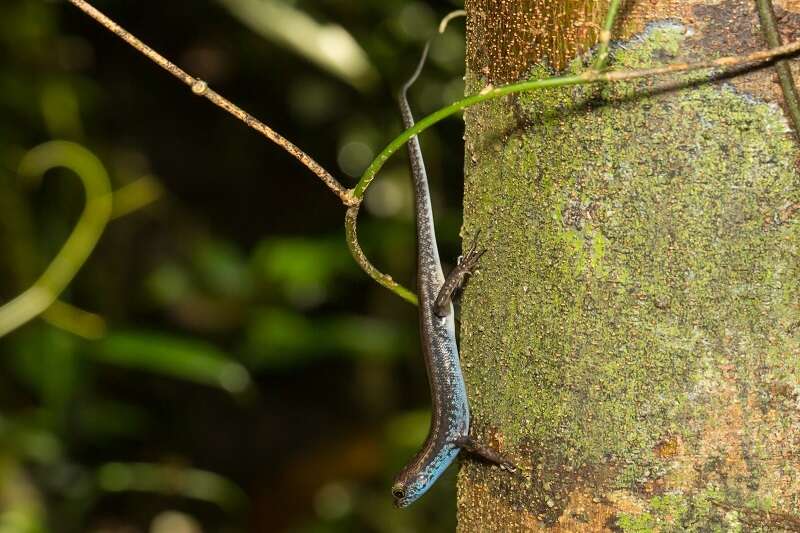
417,71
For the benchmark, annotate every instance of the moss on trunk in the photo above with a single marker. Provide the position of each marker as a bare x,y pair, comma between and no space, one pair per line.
633,336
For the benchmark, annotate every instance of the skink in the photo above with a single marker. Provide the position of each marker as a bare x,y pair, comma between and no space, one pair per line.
450,420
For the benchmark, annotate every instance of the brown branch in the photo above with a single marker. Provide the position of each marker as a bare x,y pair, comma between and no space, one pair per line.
200,88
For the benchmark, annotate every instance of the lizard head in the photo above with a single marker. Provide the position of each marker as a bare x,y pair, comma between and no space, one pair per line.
406,492
416,478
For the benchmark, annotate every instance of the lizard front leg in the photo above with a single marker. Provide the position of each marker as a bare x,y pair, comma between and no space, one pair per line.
456,278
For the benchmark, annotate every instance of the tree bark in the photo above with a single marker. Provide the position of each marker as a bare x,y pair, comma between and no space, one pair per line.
632,338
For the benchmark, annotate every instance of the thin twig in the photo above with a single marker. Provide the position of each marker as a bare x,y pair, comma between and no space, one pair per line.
605,35
350,228
769,26
200,88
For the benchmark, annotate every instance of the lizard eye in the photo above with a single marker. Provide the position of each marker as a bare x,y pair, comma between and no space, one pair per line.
398,493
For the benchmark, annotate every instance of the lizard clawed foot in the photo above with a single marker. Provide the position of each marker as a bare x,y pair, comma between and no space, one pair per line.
469,261
465,266
470,445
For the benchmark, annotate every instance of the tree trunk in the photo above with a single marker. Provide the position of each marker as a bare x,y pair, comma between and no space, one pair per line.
632,339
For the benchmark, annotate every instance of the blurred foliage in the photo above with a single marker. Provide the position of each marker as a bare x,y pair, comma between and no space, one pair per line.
218,363
328,45
81,242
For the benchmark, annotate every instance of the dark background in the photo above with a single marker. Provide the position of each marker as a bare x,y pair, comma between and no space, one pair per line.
237,273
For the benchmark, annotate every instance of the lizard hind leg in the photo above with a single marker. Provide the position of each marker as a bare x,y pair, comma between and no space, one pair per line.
467,264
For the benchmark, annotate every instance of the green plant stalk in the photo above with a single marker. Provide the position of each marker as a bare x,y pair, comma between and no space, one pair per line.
351,215
136,195
591,76
125,200
75,320
82,240
350,227
601,59
437,116
769,26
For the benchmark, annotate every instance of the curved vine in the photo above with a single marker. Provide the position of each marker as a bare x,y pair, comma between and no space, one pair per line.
80,243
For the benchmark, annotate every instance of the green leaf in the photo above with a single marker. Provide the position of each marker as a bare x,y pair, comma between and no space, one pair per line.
329,46
280,338
222,269
171,480
169,283
105,419
176,357
303,269
45,359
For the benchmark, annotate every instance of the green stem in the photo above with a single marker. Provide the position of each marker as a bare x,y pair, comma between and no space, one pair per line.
135,196
81,241
601,59
75,320
350,228
769,27
590,76
437,116
125,200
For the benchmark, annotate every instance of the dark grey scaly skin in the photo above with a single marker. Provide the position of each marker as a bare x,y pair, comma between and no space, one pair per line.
449,430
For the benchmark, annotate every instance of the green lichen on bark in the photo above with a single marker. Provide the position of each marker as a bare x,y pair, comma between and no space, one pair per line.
641,281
